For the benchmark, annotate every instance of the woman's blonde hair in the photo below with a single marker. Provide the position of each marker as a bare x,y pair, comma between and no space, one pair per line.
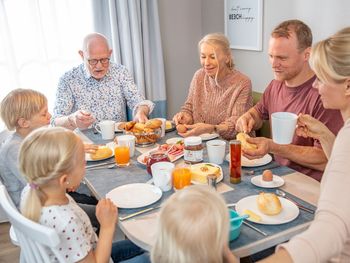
193,227
21,103
330,58
45,154
221,41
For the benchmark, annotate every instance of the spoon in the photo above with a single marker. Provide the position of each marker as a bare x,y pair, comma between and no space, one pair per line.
239,218
283,194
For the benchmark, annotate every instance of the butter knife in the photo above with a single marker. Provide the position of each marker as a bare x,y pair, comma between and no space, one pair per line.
99,164
122,218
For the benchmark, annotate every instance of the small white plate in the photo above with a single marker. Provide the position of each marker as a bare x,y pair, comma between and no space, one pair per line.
289,211
219,179
174,140
111,145
116,129
277,181
208,136
253,163
134,195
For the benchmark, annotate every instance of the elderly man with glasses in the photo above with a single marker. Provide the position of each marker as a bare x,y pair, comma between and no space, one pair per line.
98,89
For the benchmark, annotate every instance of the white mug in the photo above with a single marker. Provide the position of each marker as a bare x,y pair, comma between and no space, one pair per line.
216,151
162,175
283,127
162,127
128,140
106,128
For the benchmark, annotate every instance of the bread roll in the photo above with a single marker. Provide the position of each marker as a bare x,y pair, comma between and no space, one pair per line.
139,126
102,152
269,204
242,137
181,128
129,125
153,124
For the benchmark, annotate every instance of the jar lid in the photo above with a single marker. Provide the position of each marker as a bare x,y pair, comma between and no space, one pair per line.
193,140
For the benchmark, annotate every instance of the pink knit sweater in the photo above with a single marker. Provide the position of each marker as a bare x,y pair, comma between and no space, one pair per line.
223,104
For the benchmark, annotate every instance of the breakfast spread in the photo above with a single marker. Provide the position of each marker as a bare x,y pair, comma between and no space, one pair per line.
242,137
102,152
200,172
269,204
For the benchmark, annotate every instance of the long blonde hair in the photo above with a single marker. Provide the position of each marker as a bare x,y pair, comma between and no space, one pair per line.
21,103
330,58
45,154
193,227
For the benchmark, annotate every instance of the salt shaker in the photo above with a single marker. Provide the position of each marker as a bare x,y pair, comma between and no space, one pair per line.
211,180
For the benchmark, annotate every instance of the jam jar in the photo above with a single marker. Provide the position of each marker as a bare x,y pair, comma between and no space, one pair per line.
193,150
155,157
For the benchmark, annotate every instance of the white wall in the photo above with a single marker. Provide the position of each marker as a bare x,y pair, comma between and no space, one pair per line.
184,22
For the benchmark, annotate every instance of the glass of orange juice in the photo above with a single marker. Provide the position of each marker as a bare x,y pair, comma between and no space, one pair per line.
122,155
181,177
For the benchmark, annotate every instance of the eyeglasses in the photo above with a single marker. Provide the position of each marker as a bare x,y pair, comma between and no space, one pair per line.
93,62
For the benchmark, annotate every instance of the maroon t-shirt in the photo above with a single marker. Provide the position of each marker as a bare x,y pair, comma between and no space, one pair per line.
303,99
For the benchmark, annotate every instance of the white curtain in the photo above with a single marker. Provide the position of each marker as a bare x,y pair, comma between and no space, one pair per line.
132,27
39,41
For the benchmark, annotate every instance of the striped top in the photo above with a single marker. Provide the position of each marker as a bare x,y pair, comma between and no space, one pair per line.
223,104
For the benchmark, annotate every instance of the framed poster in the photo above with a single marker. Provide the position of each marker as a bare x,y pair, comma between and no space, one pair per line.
243,23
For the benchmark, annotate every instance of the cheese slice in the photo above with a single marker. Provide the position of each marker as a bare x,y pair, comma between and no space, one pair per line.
200,172
252,216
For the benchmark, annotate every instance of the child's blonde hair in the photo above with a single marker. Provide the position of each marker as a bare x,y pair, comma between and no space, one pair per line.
193,227
21,103
45,154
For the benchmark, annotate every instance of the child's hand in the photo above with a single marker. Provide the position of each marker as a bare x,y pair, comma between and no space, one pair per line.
106,213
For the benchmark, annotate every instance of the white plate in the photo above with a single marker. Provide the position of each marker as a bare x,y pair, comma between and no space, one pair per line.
174,140
208,136
116,129
277,181
173,158
134,195
253,163
289,211
111,145
220,177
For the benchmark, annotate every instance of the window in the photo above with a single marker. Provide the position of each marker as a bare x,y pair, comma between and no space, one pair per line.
39,41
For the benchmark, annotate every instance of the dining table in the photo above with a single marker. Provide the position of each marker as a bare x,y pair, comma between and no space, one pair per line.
142,229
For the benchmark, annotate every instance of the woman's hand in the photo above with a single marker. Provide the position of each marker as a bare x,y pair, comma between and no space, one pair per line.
197,129
308,126
182,118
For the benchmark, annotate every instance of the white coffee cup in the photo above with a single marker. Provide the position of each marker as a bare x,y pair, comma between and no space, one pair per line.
162,127
127,140
283,127
106,128
216,151
162,175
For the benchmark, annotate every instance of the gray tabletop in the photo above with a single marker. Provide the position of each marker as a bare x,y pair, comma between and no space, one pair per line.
249,242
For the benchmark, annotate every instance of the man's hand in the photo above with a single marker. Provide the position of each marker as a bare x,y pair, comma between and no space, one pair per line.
264,147
198,129
245,123
82,119
182,118
141,114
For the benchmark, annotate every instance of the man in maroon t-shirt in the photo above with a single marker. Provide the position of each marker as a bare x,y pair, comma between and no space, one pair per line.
291,91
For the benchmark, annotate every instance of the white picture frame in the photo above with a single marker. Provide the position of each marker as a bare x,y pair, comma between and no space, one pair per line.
244,23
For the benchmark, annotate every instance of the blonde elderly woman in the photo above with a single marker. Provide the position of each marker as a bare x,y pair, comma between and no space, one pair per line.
328,237
193,227
219,94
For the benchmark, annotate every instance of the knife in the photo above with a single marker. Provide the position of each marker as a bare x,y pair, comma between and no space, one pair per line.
122,218
99,164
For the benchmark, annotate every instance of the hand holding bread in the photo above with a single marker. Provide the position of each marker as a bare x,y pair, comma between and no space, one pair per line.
242,137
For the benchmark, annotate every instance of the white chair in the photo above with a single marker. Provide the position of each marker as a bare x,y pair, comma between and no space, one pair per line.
36,241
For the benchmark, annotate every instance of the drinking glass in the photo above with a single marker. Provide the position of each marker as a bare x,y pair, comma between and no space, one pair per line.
181,177
122,155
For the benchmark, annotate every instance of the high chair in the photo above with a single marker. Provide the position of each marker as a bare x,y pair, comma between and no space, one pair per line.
36,241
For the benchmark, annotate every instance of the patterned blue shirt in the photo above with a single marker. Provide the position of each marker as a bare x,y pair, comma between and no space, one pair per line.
106,98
